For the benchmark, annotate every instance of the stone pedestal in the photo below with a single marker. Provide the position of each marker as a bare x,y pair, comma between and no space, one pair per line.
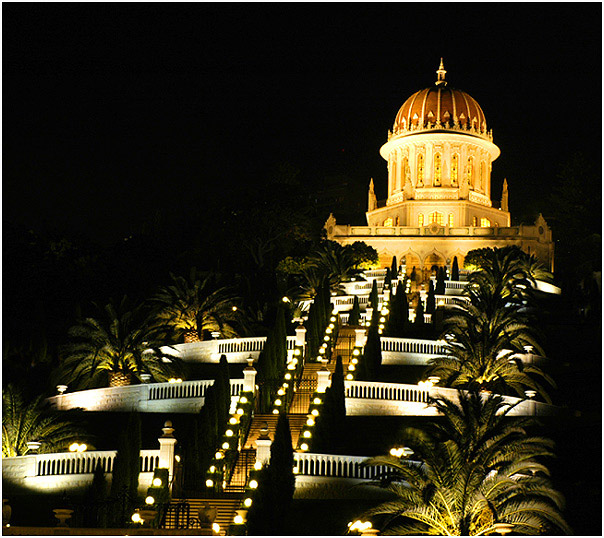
167,443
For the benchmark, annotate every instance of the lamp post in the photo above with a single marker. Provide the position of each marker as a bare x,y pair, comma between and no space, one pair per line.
503,528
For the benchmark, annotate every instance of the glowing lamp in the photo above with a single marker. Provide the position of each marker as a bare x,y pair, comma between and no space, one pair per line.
233,420
307,434
225,445
218,455
315,412
177,458
310,422
243,400
209,483
317,401
156,482
356,351
136,518
354,361
254,483
351,367
257,467
349,377
149,500
326,338
212,469
288,376
303,446
229,433
238,520
216,528
240,411
275,411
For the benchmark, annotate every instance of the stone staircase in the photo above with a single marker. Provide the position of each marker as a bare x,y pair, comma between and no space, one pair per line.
245,463
226,507
296,421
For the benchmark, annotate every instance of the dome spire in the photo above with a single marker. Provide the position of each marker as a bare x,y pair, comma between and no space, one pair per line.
441,73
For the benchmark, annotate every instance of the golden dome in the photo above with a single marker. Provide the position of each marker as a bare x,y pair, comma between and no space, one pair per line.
441,107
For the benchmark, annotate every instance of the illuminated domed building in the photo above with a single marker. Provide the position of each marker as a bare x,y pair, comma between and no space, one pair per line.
439,154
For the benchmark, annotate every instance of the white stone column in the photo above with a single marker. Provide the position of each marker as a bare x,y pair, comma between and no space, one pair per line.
249,377
167,442
263,445
323,379
300,335
360,337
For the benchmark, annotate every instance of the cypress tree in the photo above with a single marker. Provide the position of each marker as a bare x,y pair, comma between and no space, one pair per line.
372,357
404,308
430,300
455,269
124,483
419,312
387,277
269,513
394,268
329,425
271,362
95,498
397,318
374,298
223,392
355,313
440,281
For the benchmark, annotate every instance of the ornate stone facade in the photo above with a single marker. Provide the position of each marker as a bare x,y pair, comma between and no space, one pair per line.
439,156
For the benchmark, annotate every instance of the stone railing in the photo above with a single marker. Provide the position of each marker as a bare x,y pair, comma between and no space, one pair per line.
344,302
369,398
69,471
451,299
335,466
373,390
184,397
344,316
235,349
375,273
504,232
413,345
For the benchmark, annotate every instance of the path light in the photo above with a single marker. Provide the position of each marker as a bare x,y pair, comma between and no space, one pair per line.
354,361
296,469
326,338
156,482
254,483
257,467
61,388
212,469
238,520
216,528
177,458
247,502
225,445
277,402
332,319
288,376
303,446
503,528
285,299
356,351
530,394
307,434
215,334
233,420
349,377
310,422
149,500
243,400
317,401
229,433
209,483
234,308
218,455
136,517
434,379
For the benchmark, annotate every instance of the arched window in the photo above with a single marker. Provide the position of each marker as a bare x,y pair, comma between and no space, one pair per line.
450,219
436,217
454,164
470,172
474,221
437,169
420,170
485,223
406,176
420,219
388,222
482,176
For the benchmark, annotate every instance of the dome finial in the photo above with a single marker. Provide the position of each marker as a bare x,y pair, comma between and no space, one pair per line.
441,73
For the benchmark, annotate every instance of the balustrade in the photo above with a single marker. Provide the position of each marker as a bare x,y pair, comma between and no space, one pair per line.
336,466
411,345
69,463
372,390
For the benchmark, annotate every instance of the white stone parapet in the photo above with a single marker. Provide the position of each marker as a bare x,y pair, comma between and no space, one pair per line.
70,470
237,350
184,397
332,465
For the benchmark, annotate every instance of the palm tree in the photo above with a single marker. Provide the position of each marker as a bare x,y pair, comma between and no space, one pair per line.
486,334
23,422
120,344
190,307
335,262
477,469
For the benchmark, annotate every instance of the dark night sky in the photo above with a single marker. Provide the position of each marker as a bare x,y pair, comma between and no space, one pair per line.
113,111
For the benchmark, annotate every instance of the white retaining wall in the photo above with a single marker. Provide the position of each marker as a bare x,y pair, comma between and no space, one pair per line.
184,397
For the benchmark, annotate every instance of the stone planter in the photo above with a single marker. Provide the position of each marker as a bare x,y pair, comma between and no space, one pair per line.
62,514
120,379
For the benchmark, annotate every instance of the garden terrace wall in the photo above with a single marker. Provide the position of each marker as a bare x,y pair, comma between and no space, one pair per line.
184,397
237,350
68,471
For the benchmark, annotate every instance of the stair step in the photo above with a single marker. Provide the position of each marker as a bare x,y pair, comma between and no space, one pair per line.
225,510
